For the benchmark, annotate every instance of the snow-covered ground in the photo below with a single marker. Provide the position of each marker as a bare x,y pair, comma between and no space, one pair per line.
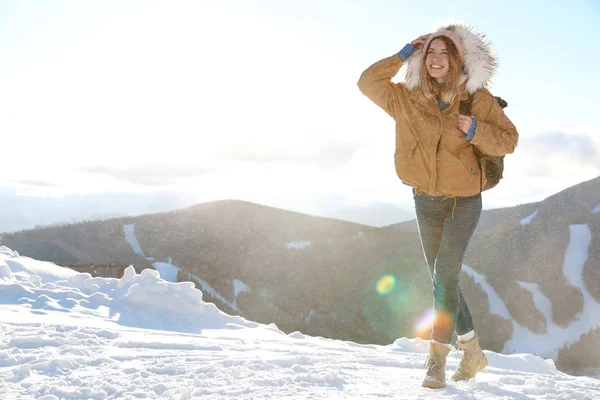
66,335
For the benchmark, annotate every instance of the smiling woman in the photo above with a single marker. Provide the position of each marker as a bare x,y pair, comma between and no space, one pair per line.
443,63
435,154
437,61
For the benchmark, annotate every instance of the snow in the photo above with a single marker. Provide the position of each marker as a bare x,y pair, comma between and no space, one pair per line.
497,306
239,287
359,236
132,239
32,268
170,272
167,270
529,218
542,303
596,210
576,254
298,245
556,337
207,287
311,314
67,335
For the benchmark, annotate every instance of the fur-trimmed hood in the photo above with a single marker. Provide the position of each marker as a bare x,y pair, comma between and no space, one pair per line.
479,61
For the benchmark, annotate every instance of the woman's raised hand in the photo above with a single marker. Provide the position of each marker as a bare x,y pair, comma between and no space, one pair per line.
420,41
464,123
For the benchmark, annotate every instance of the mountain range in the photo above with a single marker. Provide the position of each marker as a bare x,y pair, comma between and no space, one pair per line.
531,271
21,211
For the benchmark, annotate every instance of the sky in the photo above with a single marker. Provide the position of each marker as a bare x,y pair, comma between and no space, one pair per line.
258,100
66,335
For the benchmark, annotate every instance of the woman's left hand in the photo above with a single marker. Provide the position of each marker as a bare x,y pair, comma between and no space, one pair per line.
464,123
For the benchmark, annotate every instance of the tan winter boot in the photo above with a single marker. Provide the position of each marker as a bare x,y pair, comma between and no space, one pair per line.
436,362
472,362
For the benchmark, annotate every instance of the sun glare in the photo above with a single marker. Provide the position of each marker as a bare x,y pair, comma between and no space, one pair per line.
424,323
386,285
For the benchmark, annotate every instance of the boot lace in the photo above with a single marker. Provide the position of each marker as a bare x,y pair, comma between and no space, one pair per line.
434,364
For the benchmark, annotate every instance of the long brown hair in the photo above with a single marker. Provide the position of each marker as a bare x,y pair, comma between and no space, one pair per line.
429,87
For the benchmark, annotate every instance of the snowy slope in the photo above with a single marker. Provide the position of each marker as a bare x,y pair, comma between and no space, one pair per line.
66,335
555,337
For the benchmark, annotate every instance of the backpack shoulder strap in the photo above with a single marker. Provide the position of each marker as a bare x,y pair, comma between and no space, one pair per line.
465,106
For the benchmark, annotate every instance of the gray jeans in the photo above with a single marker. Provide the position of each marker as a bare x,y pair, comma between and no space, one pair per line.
445,228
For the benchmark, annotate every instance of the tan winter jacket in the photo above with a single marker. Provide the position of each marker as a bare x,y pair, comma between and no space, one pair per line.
432,154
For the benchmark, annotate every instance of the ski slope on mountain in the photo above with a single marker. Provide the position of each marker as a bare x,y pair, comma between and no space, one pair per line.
66,335
556,337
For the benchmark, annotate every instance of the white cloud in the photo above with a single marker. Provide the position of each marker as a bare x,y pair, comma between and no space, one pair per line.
152,174
558,151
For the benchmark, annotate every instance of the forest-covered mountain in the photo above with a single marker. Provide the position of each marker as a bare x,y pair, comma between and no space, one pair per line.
532,272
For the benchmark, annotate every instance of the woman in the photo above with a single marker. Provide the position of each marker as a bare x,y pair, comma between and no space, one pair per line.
435,155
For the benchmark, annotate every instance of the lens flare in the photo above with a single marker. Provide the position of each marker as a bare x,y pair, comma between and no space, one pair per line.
424,323
443,321
394,294
386,285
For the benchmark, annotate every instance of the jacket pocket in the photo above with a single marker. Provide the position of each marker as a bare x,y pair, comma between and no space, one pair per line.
407,160
410,150
468,160
405,151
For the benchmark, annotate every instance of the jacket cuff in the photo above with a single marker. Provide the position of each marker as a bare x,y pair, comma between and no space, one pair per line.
406,52
469,136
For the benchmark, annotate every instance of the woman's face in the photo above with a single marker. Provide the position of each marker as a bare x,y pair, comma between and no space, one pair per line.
436,61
